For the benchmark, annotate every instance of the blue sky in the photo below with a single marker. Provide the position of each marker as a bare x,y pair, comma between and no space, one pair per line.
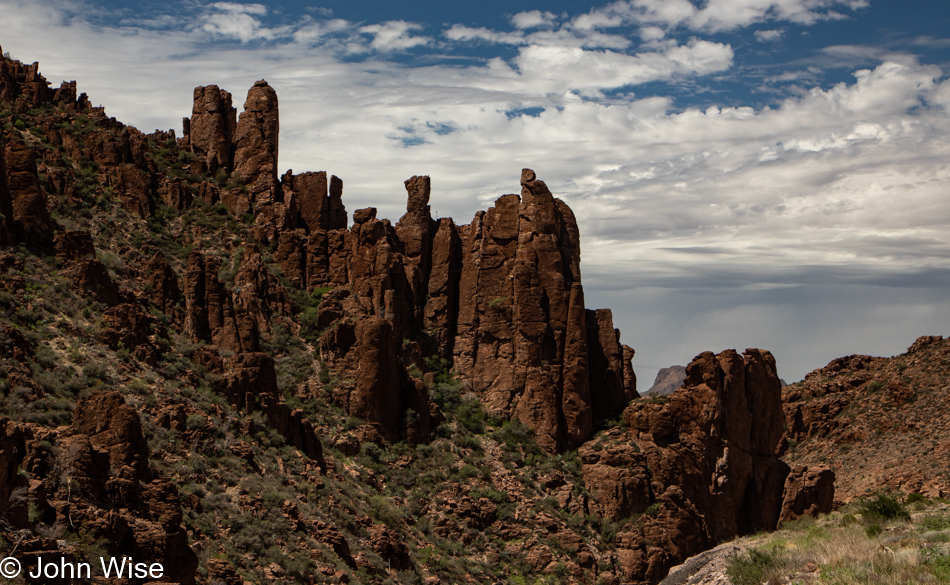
746,173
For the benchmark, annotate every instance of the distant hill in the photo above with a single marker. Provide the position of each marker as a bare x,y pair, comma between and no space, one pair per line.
880,423
667,381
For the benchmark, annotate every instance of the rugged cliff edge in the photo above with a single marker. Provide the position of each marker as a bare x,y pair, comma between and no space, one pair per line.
206,364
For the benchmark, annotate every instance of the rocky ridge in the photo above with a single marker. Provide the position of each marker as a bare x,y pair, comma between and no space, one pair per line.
879,422
667,380
334,402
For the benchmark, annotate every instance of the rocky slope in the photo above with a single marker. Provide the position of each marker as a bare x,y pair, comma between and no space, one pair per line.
881,423
205,364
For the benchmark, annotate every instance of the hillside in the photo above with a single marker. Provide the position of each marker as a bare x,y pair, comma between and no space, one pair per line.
215,368
880,540
880,423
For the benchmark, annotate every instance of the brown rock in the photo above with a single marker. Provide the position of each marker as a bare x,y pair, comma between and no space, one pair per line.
441,309
32,223
521,344
133,189
255,137
162,290
209,309
319,210
7,226
923,341
390,546
332,537
377,396
113,425
74,246
361,216
91,278
808,491
128,326
13,345
212,128
618,480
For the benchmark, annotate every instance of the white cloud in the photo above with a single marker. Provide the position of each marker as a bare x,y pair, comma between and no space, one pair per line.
769,36
533,19
715,15
394,35
559,69
459,32
239,21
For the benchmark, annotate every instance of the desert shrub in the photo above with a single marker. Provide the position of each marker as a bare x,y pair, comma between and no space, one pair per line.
883,508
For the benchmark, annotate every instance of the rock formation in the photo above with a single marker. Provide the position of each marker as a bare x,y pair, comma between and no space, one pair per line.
255,139
210,131
703,464
103,457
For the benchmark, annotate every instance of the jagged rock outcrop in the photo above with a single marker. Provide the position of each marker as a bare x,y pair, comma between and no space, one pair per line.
94,474
499,300
209,308
251,385
667,381
32,223
6,204
880,423
210,131
808,491
164,292
114,426
525,344
255,155
703,464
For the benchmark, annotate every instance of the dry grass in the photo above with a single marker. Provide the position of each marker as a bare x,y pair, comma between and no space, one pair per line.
844,549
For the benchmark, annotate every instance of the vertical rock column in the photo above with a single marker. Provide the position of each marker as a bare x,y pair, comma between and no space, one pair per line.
211,129
522,338
415,230
32,223
442,306
255,155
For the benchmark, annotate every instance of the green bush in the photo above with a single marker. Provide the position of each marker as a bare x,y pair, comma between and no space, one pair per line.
883,508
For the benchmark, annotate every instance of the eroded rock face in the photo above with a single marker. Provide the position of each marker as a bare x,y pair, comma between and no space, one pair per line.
702,465
211,129
808,491
31,219
96,475
209,308
525,343
255,138
6,204
251,385
114,426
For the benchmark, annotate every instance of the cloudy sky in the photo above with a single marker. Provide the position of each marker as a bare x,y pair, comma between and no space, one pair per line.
746,173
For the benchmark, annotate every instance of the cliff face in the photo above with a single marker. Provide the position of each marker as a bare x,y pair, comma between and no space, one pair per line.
702,464
500,299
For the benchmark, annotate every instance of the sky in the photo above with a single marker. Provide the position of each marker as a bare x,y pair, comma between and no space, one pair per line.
745,173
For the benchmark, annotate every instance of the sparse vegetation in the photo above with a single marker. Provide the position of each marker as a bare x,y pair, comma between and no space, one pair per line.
902,548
